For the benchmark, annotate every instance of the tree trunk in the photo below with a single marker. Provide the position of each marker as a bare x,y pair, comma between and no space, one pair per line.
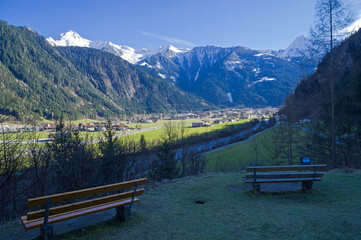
333,130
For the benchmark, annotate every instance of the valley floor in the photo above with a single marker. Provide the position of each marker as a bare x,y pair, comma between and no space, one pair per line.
168,211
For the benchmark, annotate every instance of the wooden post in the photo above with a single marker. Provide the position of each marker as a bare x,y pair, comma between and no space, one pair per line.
256,186
47,233
306,186
122,214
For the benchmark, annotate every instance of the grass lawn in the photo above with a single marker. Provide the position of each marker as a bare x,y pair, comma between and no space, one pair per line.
330,211
157,134
239,156
150,136
161,123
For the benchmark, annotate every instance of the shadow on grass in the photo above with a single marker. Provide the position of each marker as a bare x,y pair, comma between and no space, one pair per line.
93,230
288,194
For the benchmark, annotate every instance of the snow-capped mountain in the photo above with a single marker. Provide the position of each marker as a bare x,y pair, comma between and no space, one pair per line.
72,38
298,48
249,77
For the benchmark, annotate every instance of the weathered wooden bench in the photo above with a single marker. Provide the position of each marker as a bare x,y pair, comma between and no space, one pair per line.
122,201
307,174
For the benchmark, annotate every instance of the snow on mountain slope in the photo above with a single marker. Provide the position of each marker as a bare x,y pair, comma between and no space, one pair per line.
127,53
72,38
297,48
354,27
234,75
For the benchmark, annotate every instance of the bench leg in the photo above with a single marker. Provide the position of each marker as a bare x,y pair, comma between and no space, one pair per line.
306,186
47,233
256,188
123,213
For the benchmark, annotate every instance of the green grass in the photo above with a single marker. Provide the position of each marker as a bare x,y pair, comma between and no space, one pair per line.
84,121
243,154
160,123
150,136
240,155
330,211
157,134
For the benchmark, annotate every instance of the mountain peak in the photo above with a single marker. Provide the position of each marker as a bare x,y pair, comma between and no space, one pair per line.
297,48
175,49
70,38
71,34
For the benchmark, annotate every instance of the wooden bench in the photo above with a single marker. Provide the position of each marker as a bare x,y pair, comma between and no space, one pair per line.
307,174
121,201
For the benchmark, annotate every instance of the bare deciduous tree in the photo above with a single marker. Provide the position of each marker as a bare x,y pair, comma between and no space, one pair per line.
170,132
332,16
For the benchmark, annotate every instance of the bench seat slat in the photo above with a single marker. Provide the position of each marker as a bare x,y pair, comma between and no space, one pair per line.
282,180
83,204
320,167
73,214
285,175
84,192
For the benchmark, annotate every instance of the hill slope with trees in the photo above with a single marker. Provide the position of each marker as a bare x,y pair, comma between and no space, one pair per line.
228,76
312,99
37,79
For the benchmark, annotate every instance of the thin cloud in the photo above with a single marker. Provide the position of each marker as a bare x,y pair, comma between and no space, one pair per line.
354,27
168,39
355,7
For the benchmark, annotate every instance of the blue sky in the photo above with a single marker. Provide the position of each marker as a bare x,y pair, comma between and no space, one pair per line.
257,24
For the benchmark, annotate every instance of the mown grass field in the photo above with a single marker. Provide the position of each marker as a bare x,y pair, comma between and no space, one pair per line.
161,123
149,135
72,122
157,134
238,156
168,211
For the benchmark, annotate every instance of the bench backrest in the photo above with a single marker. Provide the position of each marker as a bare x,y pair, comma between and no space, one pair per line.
33,202
286,172
319,168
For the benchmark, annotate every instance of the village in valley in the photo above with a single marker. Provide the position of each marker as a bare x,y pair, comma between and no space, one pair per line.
200,119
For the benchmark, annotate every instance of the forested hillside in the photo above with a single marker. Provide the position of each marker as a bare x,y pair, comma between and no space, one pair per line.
127,85
37,79
312,100
228,76
312,96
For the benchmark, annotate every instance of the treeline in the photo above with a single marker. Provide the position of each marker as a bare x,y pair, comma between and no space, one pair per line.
39,80
312,100
127,86
28,169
